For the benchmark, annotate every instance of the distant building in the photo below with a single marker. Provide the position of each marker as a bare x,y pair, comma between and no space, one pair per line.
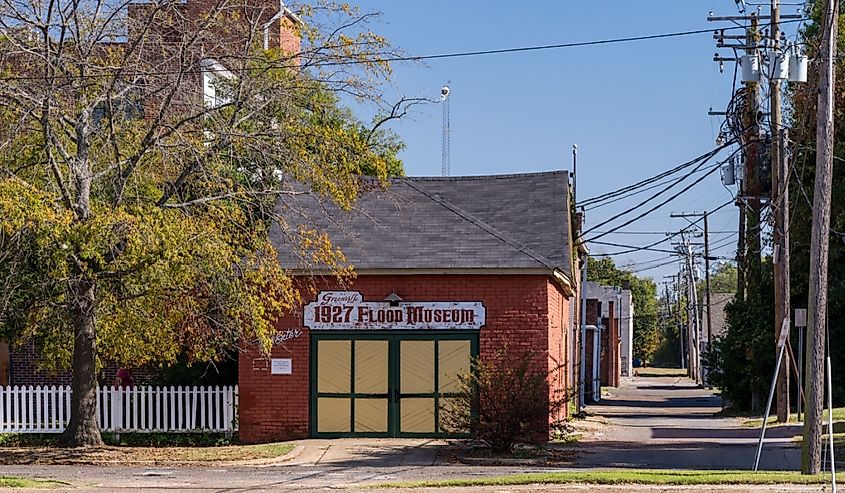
718,302
622,301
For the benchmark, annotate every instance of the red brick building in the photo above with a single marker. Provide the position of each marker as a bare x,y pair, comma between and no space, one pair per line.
447,269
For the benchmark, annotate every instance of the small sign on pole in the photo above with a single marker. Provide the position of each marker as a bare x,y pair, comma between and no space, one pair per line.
800,317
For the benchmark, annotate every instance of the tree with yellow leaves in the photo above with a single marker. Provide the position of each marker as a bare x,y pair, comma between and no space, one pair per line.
144,151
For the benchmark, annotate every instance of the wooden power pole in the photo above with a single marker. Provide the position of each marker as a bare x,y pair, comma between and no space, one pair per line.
780,209
751,264
819,243
707,281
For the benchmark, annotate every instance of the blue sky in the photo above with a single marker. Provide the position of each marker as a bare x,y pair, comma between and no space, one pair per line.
634,109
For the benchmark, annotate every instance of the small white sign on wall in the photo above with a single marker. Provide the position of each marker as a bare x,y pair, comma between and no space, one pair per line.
281,366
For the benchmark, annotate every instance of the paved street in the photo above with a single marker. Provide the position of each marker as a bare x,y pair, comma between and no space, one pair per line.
668,422
318,465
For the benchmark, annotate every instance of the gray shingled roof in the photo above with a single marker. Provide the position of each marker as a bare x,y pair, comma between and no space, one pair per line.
476,222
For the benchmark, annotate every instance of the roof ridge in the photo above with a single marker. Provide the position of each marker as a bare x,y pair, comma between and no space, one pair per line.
480,224
485,177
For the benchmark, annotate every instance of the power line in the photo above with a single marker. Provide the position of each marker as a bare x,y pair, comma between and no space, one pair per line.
658,232
411,58
661,204
610,195
644,269
610,200
668,236
631,246
559,45
652,197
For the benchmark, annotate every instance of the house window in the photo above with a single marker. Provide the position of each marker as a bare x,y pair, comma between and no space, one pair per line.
214,77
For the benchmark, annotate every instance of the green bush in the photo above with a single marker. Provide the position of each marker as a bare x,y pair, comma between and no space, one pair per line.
502,402
741,362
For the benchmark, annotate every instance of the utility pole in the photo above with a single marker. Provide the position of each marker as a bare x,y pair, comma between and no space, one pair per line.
819,244
678,312
780,209
707,281
695,324
698,335
671,317
753,268
749,190
740,250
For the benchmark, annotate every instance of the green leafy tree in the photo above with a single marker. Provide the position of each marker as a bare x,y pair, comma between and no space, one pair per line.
647,336
740,363
134,211
722,278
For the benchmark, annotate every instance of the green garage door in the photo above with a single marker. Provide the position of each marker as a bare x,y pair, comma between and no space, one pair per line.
385,385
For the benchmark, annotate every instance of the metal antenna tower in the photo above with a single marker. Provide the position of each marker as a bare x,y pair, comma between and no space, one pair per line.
444,98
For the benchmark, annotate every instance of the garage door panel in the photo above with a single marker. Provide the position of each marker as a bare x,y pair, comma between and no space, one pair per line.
417,415
416,361
453,360
334,366
371,415
334,415
371,359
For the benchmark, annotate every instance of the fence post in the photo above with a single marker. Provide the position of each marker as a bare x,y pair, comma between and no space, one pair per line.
126,415
67,404
54,415
29,407
134,401
172,423
2,409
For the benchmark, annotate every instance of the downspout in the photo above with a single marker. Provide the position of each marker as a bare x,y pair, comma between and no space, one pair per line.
597,363
583,364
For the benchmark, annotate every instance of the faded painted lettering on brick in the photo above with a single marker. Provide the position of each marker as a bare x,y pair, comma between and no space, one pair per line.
347,310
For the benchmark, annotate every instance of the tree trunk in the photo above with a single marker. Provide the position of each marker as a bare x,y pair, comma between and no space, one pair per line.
84,427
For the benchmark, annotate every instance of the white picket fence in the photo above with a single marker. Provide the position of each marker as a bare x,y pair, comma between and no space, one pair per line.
139,409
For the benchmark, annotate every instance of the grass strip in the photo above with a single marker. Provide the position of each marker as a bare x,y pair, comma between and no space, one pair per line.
15,482
639,477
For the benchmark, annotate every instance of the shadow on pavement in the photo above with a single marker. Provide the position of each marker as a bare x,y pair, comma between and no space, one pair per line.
662,402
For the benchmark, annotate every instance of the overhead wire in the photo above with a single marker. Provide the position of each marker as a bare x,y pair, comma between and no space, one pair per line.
648,181
654,208
607,200
655,195
407,58
669,236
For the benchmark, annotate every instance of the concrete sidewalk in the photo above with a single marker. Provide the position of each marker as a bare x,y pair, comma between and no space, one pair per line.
669,422
371,452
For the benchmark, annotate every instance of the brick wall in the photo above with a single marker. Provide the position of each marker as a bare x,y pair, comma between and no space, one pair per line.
276,407
168,32
593,311
4,363
26,367
611,364
560,333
